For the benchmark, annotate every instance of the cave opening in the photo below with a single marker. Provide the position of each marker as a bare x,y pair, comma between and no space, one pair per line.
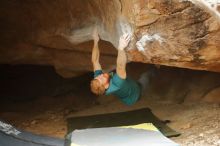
35,98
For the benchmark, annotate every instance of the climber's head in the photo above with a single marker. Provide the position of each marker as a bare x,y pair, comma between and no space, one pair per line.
100,83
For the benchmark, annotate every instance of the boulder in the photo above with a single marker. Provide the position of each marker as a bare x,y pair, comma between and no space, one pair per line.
178,33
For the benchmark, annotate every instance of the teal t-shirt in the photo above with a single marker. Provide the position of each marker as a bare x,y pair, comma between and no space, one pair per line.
127,89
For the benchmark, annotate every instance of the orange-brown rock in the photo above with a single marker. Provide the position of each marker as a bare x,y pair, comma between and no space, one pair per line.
56,32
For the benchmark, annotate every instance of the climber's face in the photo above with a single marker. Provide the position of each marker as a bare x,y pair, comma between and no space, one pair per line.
103,79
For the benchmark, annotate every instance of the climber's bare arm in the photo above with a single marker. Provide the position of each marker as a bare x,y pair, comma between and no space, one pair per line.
121,64
122,57
95,52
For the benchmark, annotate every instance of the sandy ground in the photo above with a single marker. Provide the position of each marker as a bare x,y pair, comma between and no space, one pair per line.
199,123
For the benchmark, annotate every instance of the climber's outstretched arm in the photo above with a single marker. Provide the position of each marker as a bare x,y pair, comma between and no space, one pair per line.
96,52
122,57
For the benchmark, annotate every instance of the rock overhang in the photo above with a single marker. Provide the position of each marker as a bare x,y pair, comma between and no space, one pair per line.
177,33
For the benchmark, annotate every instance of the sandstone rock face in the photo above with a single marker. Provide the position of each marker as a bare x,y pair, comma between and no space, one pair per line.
177,33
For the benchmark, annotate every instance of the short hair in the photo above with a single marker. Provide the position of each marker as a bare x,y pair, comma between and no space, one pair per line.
96,87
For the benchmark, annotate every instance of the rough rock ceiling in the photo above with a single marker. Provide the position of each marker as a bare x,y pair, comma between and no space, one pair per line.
177,33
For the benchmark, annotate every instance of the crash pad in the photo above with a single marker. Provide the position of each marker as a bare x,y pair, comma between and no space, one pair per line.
133,117
145,134
11,136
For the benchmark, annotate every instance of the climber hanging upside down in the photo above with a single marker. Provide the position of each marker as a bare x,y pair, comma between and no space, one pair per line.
118,84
